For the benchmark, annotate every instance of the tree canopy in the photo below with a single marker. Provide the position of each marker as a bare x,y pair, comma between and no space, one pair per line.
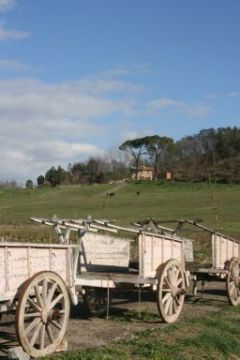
137,148
192,158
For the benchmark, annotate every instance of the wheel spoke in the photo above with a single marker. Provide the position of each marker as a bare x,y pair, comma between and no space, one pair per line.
170,276
44,292
168,302
35,334
235,293
38,296
32,325
56,324
231,287
42,336
167,282
55,301
51,293
233,281
42,314
170,309
170,290
177,300
174,306
166,290
34,305
31,315
50,334
164,299
179,281
177,272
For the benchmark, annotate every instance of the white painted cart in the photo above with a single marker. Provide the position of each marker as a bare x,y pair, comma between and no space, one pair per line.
225,264
35,282
225,259
38,281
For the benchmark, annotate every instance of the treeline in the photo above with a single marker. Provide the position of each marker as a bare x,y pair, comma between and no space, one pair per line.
94,170
211,152
214,152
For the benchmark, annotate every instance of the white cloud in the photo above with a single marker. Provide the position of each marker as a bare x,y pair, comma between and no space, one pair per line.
44,124
173,105
108,85
6,34
50,124
6,5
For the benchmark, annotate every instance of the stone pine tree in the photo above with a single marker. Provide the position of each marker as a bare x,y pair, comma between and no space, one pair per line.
137,148
157,148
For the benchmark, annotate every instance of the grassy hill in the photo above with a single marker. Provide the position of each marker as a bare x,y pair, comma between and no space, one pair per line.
209,337
156,200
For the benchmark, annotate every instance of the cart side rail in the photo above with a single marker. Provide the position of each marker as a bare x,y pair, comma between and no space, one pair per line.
223,249
155,250
101,252
19,262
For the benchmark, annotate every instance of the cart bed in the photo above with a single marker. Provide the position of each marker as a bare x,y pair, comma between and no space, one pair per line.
20,261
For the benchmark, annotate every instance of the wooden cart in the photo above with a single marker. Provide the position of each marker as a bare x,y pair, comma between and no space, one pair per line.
225,259
35,282
38,281
225,264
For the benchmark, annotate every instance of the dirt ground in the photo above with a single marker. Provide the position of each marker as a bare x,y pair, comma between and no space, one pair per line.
84,332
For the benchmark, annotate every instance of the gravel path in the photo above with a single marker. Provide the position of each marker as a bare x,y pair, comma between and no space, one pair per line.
86,332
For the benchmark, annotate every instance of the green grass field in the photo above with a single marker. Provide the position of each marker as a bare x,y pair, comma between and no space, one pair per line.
157,200
214,337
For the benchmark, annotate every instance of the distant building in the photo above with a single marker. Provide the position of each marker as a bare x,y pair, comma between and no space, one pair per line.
168,175
143,173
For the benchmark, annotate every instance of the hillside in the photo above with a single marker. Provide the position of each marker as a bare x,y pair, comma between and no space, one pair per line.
156,200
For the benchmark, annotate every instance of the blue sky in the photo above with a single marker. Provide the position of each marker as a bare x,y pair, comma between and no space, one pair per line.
79,77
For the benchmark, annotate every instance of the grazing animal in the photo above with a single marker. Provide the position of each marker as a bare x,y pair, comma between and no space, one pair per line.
110,194
138,193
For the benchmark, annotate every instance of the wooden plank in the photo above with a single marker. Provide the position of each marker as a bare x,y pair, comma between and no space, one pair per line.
211,271
156,250
35,245
188,249
104,251
120,278
224,249
17,264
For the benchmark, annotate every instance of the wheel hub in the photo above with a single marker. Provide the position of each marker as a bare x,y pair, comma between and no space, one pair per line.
174,291
45,315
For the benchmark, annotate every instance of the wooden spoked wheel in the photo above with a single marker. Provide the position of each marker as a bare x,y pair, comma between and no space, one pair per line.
42,314
170,291
233,281
95,300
